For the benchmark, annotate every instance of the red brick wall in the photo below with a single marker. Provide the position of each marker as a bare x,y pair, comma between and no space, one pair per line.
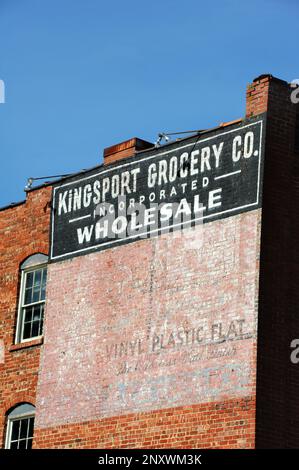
229,424
277,377
24,230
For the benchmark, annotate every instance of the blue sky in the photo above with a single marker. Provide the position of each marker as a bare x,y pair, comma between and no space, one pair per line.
81,75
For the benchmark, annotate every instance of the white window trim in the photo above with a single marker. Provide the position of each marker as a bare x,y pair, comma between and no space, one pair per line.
27,415
20,322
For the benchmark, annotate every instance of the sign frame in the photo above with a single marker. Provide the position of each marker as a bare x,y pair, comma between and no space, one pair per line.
152,154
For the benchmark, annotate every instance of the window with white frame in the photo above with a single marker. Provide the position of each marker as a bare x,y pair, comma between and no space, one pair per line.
32,298
20,424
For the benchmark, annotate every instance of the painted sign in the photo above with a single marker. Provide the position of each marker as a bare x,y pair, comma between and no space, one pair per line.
196,180
149,327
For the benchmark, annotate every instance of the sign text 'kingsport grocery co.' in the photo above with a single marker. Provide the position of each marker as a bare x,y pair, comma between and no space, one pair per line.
192,181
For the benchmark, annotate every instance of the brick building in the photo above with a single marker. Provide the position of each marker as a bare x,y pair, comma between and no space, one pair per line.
176,340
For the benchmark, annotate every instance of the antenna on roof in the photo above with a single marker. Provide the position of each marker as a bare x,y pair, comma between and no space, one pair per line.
30,180
161,136
165,135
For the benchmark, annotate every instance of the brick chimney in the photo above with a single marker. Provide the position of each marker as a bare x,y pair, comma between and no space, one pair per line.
125,149
267,93
257,95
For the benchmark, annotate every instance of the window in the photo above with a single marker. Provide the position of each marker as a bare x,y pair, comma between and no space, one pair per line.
20,423
32,298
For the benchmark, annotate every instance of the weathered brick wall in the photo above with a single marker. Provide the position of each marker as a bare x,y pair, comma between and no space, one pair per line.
226,425
277,377
24,230
104,355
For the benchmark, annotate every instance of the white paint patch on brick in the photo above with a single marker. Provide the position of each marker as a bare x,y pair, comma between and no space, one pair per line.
150,325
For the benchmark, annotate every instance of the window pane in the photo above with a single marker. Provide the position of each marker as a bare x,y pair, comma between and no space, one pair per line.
35,329
37,309
29,279
29,443
27,314
31,424
41,324
37,277
44,281
36,293
15,430
43,292
33,321
28,296
24,428
22,444
27,330
13,445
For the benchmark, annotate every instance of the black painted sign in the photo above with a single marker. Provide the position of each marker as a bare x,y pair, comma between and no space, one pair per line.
199,179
